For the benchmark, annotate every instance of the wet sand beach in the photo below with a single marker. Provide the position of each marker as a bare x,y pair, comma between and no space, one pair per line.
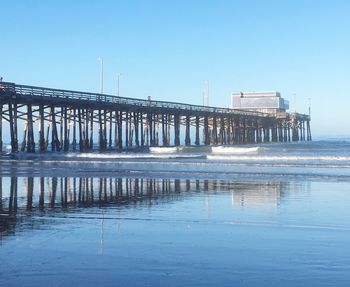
178,220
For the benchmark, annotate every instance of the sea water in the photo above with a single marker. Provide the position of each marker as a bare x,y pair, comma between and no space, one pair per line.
252,215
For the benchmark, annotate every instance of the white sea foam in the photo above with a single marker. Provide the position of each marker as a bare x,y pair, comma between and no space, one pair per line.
121,155
278,158
163,149
234,150
93,156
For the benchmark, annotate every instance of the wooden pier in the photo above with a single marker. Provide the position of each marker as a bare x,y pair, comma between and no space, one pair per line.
44,119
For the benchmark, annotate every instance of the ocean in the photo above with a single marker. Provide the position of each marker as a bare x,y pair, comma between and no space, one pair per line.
272,214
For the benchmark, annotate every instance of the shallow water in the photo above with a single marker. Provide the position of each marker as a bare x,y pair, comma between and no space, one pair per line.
110,220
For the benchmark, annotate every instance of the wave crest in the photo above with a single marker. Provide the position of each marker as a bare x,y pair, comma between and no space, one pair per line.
163,149
234,150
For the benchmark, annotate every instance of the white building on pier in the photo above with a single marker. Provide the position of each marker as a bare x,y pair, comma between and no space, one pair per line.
265,102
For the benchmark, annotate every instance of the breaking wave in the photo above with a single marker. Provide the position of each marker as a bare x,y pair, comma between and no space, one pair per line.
279,158
234,150
163,149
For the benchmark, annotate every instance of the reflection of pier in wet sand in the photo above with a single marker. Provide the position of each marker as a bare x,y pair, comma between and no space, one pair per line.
23,198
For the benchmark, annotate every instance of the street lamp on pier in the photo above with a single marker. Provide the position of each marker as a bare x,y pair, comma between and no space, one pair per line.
100,59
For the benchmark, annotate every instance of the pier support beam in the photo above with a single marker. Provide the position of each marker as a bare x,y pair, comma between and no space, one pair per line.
156,130
215,131
308,129
66,129
42,144
101,130
120,130
116,136
81,136
74,143
150,129
164,131
303,131
91,142
142,130
274,132
187,136
280,132
295,134
236,130
206,136
31,142
85,129
177,129
126,129
285,132
222,130
137,127
197,131
110,129
55,143
104,129
13,126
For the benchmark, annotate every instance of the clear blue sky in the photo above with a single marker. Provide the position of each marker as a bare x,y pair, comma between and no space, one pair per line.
167,49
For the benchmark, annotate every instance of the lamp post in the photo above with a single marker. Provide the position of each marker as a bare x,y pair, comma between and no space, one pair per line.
118,84
100,59
309,108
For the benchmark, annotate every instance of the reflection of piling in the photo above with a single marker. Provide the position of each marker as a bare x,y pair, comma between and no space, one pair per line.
41,193
30,187
101,245
54,191
13,196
